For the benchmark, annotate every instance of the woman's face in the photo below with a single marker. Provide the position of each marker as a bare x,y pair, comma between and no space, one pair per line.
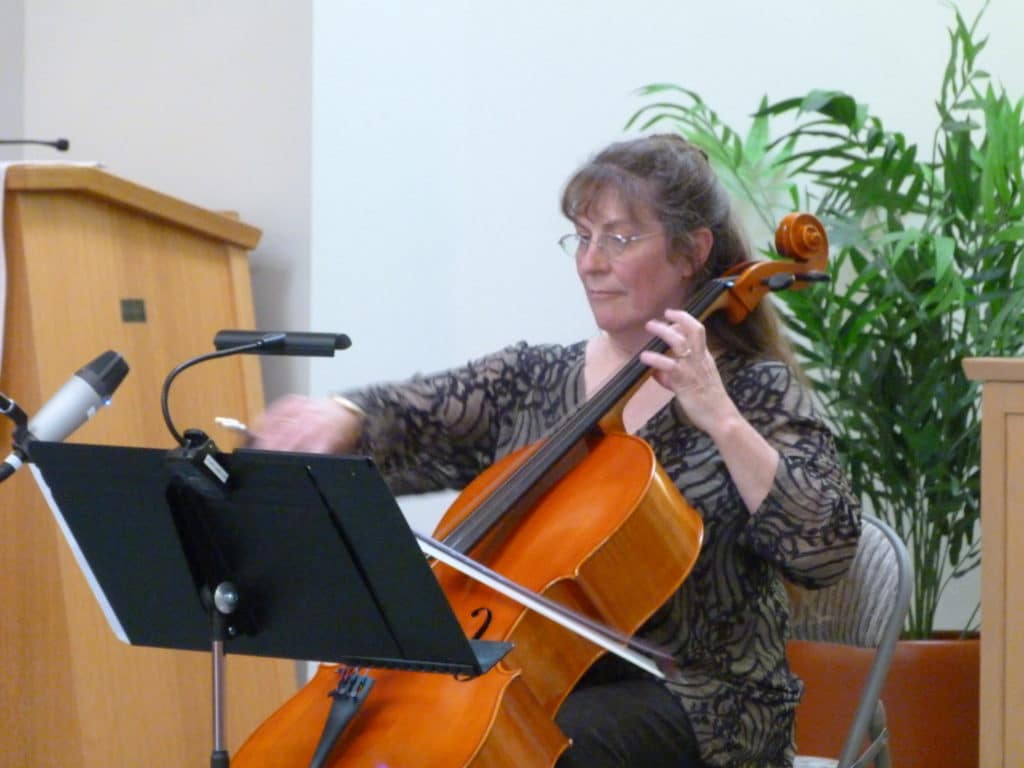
628,289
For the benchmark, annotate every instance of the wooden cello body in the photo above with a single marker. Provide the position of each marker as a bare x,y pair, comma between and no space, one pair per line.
625,510
586,518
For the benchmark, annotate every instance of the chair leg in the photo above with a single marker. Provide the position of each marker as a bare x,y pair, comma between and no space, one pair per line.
878,728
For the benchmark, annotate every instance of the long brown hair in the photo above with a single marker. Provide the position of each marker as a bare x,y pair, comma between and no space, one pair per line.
672,178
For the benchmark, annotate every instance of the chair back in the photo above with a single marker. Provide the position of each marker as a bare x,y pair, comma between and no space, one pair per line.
856,610
866,608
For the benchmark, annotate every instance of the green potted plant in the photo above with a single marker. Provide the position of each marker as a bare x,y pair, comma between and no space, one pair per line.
926,269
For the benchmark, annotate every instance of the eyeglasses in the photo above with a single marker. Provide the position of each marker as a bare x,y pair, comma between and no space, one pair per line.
611,245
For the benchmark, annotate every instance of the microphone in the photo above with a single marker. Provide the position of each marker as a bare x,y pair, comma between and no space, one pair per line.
75,403
61,145
283,342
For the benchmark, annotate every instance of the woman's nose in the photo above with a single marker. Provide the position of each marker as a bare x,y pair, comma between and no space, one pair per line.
590,257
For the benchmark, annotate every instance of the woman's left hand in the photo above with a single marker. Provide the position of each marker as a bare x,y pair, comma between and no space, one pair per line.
688,370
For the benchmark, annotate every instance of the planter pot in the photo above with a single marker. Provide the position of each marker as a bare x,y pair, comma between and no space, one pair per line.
930,697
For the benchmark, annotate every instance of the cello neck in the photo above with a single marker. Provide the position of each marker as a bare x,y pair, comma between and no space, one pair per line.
572,432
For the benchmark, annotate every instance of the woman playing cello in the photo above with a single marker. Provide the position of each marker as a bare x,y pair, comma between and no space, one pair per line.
728,417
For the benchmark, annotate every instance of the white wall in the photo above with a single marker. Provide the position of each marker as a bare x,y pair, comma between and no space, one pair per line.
209,102
12,55
443,132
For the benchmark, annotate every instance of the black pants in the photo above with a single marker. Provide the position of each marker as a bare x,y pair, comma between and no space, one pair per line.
620,717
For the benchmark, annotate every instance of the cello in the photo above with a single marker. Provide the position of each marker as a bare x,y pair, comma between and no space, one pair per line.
515,518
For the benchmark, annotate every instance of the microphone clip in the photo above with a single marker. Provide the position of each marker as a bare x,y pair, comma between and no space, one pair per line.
199,465
13,411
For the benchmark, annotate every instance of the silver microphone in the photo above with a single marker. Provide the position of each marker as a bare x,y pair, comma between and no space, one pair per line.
88,390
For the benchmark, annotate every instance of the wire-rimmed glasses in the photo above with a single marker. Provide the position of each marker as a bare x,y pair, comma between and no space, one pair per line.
610,244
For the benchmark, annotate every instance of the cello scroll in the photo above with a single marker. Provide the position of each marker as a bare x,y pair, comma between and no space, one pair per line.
801,239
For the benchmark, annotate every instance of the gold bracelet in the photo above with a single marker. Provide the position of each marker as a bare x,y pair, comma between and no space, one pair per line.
349,406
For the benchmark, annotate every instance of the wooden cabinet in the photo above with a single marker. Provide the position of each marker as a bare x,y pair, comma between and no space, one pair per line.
1002,559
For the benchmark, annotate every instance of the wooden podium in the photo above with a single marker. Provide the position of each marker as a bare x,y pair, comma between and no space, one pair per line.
1002,559
94,262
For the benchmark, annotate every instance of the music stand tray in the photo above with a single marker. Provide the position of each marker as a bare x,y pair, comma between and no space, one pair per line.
324,563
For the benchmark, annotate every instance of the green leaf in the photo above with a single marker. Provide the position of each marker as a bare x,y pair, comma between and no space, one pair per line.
778,108
944,247
756,145
834,104
1011,234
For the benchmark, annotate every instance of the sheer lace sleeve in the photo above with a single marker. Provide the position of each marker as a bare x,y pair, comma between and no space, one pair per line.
440,430
809,524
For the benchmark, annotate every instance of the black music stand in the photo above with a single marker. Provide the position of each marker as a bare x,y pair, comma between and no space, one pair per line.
306,556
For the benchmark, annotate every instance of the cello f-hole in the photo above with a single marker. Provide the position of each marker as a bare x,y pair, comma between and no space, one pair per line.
478,635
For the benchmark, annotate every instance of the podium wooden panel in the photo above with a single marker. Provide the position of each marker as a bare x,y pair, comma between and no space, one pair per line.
79,243
1002,559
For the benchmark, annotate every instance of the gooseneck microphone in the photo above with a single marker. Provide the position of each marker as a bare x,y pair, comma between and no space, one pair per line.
61,145
300,344
88,390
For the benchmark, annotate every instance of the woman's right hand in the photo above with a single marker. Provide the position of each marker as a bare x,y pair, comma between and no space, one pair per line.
310,425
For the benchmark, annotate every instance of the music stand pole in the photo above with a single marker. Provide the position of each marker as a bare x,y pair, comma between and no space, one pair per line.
225,600
214,582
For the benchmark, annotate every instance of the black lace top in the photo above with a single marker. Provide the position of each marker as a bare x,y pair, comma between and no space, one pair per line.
727,625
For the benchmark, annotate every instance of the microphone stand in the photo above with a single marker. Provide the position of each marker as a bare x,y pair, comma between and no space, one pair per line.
13,411
61,145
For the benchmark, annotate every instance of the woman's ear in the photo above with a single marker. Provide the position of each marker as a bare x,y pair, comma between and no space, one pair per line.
702,240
